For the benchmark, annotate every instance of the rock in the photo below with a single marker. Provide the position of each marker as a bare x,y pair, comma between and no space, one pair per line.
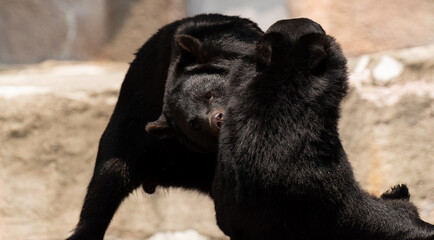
36,30
183,235
361,71
371,26
393,67
387,69
387,130
132,22
51,118
52,115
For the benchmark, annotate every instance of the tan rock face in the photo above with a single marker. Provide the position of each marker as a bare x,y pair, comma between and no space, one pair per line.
52,115
387,127
132,22
370,26
51,118
37,30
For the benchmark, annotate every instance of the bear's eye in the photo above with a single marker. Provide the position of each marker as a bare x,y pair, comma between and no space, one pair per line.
209,96
194,124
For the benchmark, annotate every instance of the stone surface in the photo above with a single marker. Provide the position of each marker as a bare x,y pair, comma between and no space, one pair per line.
370,25
264,13
184,235
52,115
51,118
388,68
37,30
132,22
387,130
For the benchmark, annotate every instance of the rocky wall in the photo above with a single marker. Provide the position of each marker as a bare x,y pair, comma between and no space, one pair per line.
52,115
370,26
36,30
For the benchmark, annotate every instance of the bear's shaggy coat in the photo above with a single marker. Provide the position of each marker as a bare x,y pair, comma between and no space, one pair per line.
282,172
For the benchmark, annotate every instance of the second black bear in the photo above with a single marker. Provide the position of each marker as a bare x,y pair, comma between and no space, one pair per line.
282,172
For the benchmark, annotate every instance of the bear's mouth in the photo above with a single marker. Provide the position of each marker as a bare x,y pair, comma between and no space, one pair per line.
208,145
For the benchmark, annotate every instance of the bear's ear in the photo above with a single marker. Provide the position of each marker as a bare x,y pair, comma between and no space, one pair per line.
192,46
268,48
314,45
159,128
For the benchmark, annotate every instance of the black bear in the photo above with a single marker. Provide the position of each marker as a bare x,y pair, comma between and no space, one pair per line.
163,131
282,172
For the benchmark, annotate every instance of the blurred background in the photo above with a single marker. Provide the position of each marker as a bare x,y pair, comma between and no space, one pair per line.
62,63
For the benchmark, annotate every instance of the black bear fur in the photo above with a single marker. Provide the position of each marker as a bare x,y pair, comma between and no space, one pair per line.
140,146
282,172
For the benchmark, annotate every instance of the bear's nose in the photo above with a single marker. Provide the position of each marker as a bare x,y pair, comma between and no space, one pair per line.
216,120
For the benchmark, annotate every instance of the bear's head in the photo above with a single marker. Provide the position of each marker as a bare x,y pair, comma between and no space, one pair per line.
297,54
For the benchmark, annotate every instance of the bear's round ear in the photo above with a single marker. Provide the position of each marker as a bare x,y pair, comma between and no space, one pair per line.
192,46
317,59
314,47
160,128
268,48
